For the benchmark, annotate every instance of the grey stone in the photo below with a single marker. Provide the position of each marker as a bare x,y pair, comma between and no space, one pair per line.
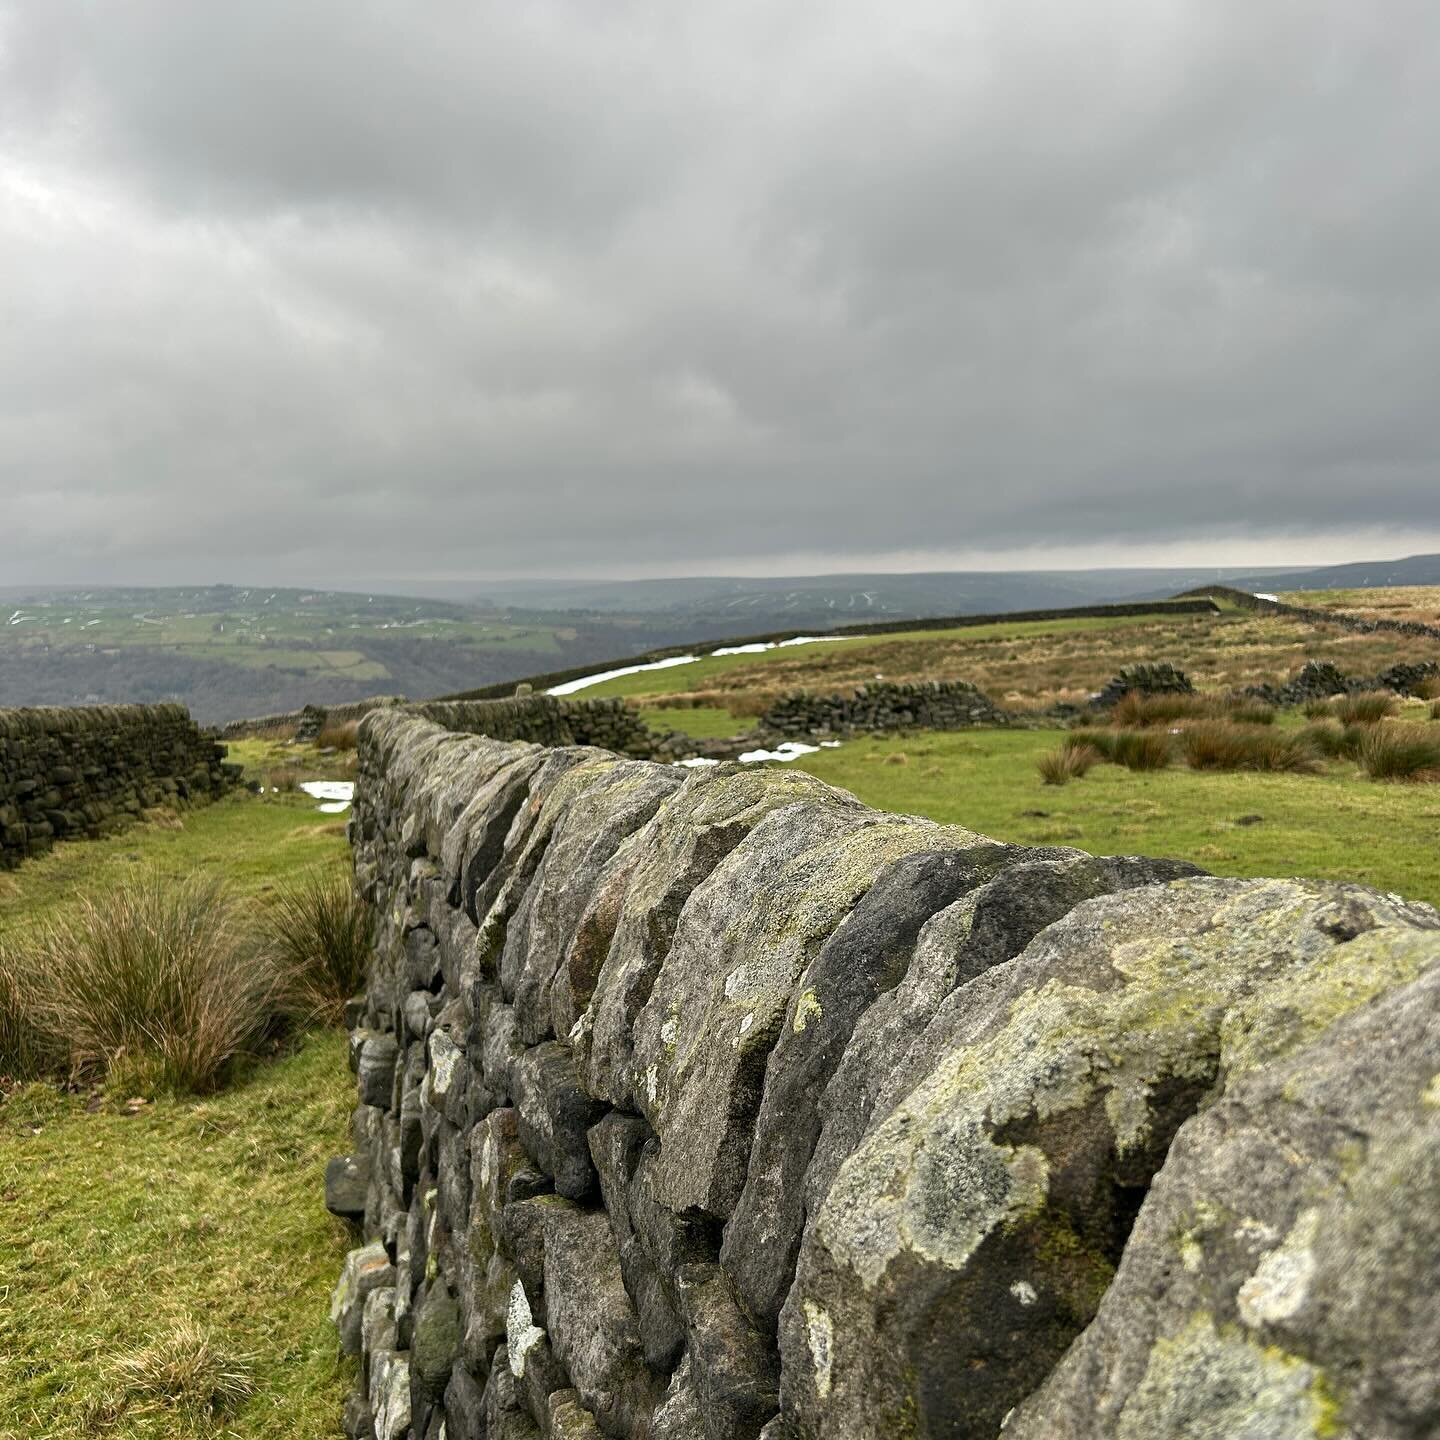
691,833
591,1321
378,1056
984,928
366,1269
554,1113
969,1238
1283,1275
347,1182
866,955
734,1366
435,1342
583,839
742,941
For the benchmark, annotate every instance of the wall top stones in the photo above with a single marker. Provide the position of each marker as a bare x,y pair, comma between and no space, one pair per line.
719,1105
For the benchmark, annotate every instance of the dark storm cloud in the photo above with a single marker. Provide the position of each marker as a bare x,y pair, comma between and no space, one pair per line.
322,288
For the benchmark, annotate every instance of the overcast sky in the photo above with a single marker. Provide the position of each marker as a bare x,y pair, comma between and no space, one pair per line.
329,290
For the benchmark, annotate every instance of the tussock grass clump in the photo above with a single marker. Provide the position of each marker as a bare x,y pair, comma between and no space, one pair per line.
1069,762
185,1371
317,932
1399,752
1134,749
1218,745
158,975
1249,712
1318,710
1134,710
1142,750
1428,689
1368,707
28,1046
1102,742
1435,710
339,736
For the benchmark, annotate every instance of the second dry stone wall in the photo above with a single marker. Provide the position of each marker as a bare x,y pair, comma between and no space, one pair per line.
79,773
720,1105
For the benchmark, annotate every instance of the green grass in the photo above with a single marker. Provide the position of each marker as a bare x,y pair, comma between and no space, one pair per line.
1337,825
253,844
121,1232
704,722
117,1229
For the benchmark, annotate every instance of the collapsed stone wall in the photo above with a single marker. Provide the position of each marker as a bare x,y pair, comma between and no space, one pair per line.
72,773
716,1104
882,707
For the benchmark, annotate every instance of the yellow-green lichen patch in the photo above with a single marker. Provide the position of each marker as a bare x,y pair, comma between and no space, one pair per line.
1205,1381
807,1008
1278,1019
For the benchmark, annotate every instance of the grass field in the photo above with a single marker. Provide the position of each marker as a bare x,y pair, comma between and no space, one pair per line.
1384,602
1023,666
1336,826
124,1228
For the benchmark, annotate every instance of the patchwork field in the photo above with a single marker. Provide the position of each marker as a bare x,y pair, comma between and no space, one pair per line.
229,652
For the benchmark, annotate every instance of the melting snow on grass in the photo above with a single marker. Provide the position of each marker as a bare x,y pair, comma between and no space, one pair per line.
569,687
785,750
337,794
585,681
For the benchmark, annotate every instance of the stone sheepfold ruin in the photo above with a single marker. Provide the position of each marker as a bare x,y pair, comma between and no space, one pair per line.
716,1104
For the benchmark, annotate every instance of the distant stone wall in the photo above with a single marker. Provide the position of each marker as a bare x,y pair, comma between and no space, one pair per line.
292,719
542,719
69,774
546,720
1359,624
716,1104
881,707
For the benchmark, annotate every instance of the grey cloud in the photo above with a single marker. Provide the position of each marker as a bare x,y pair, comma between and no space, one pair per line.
296,290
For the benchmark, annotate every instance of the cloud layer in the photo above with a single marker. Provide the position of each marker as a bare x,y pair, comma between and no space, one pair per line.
309,289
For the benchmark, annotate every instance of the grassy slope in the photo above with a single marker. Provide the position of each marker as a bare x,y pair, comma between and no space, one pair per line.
254,844
115,1227
1336,826
1034,663
120,1226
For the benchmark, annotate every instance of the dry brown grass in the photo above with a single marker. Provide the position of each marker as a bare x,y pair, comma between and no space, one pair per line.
1400,752
1428,689
1044,665
1435,710
159,978
1384,602
338,736
318,933
1069,762
1135,711
1365,708
1221,745
186,1372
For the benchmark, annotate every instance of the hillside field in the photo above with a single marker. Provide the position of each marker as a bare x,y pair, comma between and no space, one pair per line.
1335,824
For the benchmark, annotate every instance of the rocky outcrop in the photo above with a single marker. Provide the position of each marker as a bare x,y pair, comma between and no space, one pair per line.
716,1104
75,774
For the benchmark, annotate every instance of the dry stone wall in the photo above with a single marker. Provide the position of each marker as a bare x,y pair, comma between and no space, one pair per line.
716,1104
884,707
74,773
